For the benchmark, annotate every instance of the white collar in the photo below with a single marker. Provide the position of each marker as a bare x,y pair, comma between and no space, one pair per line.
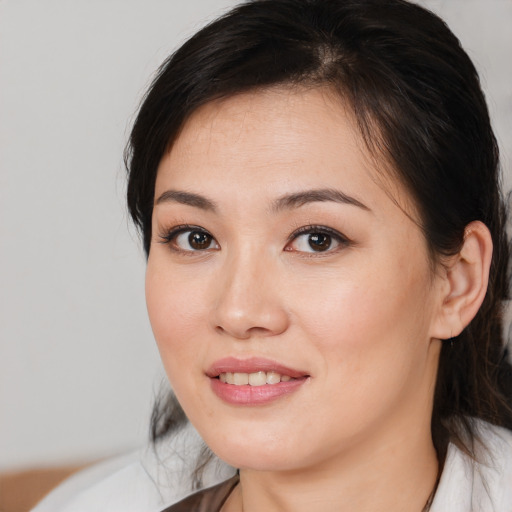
484,486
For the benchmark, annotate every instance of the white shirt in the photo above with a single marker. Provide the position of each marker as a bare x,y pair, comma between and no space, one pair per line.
154,478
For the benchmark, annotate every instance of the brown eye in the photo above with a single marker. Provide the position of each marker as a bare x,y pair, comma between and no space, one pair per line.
199,240
191,240
319,241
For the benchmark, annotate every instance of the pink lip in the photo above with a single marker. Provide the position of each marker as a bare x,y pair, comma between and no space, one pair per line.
253,395
252,365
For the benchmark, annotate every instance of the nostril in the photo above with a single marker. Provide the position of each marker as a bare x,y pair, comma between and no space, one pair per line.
250,316
239,332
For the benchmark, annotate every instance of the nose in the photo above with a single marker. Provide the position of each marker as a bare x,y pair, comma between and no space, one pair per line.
250,302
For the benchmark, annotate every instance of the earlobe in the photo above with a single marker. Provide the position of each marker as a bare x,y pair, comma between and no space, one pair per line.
465,280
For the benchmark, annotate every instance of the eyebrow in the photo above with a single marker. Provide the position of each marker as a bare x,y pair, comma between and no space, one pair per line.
289,201
188,198
299,199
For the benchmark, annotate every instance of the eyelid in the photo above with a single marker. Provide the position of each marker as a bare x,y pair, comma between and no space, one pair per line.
168,236
343,240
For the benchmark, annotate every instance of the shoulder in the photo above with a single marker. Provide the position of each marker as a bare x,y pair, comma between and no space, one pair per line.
495,469
147,480
485,484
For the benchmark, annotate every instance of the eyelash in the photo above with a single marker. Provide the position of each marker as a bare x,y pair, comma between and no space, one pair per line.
169,238
315,229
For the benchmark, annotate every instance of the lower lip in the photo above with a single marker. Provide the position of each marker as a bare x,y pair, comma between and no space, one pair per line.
254,395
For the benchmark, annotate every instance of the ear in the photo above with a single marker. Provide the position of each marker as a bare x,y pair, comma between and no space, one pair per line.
464,282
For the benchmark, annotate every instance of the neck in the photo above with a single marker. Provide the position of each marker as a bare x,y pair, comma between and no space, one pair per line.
398,477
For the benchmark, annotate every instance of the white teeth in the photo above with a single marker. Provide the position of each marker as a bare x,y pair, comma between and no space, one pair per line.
240,379
257,379
273,377
253,379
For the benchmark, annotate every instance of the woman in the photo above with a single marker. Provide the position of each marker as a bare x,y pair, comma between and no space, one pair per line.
316,183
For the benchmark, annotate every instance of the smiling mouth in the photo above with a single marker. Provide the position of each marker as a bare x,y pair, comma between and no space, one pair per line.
253,379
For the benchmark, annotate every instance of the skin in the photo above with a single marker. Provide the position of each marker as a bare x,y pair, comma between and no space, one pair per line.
361,318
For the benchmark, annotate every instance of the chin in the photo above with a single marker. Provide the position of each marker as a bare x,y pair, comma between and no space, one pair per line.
258,452
257,460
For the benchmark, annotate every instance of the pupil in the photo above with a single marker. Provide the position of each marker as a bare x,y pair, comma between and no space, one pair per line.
199,240
319,242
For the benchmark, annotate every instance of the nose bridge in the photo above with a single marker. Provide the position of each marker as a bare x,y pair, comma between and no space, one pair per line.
248,300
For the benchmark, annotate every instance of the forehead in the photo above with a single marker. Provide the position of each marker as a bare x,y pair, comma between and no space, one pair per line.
277,137
269,119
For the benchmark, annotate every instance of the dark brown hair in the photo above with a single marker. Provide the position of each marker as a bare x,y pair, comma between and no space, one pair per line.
417,99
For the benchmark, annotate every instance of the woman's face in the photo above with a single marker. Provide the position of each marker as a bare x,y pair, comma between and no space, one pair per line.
280,257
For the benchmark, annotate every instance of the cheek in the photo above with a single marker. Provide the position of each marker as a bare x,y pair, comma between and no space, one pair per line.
372,348
369,318
174,307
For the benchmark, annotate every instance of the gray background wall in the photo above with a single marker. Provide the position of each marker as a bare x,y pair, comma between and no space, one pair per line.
78,366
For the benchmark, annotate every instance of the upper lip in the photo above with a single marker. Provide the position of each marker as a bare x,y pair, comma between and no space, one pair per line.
252,365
